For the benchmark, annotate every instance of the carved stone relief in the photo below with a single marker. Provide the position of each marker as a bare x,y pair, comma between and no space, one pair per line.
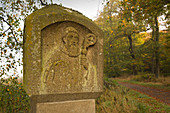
63,53
67,58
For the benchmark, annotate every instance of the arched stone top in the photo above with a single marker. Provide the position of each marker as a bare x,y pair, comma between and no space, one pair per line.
54,13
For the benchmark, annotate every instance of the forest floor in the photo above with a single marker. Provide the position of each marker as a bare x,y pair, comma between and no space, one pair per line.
162,95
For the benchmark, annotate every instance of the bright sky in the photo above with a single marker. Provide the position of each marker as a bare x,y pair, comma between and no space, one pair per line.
89,8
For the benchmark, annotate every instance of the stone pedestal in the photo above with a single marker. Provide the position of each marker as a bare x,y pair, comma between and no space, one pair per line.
78,106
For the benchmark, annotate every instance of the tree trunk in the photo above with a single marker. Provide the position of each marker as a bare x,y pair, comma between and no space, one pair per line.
157,48
132,54
110,54
110,24
153,53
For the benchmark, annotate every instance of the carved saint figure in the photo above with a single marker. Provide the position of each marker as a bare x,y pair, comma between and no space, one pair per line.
70,47
67,63
71,42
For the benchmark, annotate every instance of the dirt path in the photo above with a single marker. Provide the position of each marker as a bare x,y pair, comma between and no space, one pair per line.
157,94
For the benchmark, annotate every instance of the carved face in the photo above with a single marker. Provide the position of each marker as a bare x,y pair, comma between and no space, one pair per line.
72,39
72,44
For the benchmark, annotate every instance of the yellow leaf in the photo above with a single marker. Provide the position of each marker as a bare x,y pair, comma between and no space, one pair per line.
4,34
8,43
19,29
124,22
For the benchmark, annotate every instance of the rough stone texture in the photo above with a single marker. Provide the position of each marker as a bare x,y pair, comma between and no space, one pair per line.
60,97
63,54
79,106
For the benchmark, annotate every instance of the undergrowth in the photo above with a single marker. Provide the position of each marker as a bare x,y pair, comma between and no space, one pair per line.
162,83
115,99
151,78
13,98
118,99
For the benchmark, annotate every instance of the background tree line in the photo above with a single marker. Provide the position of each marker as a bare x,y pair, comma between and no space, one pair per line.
129,49
134,43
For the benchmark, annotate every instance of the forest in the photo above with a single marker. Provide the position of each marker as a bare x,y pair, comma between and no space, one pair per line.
136,45
135,42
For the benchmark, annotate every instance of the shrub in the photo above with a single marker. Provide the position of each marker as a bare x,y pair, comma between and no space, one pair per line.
145,77
114,99
13,98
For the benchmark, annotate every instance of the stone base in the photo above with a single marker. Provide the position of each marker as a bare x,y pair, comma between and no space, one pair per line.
77,106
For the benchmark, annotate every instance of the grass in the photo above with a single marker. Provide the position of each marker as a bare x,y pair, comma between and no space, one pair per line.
152,105
118,99
162,83
150,84
114,99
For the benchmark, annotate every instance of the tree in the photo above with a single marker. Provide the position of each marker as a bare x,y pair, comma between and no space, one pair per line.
129,18
148,11
12,15
119,21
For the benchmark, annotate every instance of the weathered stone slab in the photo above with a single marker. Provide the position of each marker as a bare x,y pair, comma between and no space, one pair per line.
63,54
79,106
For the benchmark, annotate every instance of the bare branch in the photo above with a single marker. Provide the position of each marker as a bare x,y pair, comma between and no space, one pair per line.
42,3
5,31
10,27
5,21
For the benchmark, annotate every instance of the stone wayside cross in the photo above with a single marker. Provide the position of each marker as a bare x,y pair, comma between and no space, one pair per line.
63,61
